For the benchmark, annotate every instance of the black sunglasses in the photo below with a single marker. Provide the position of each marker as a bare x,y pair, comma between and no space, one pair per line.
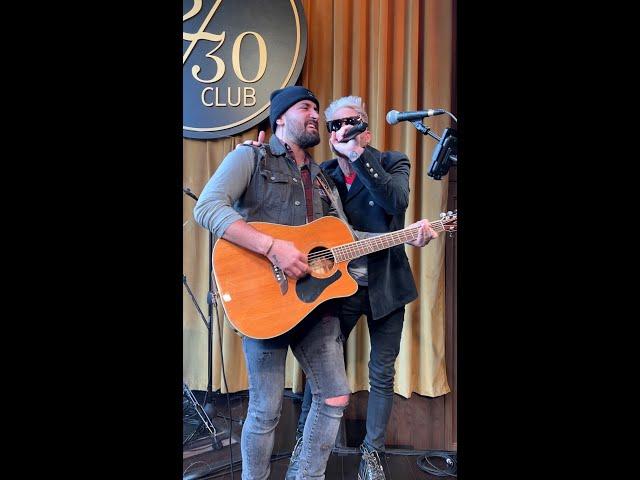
335,125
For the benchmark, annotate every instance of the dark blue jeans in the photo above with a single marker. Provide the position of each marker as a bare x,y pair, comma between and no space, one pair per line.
384,334
318,345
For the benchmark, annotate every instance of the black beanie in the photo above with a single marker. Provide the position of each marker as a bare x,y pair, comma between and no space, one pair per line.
282,99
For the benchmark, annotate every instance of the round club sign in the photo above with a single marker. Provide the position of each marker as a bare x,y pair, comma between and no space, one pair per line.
234,54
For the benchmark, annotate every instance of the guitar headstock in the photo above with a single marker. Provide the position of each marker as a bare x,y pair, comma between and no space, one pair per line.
449,221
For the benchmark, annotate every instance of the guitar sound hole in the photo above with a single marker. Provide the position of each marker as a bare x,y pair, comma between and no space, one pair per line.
321,261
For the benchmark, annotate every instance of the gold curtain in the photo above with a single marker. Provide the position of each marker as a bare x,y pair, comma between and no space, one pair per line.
396,55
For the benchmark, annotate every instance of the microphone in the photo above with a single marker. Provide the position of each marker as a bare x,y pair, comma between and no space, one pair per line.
354,132
394,116
190,193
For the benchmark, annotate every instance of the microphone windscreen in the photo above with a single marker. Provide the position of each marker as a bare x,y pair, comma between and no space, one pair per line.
392,117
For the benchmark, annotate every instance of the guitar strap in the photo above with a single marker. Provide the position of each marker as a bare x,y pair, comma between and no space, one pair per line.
337,205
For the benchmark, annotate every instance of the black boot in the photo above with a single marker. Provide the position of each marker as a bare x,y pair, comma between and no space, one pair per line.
370,466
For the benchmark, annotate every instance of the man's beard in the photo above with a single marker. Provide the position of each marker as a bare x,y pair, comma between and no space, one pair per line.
304,139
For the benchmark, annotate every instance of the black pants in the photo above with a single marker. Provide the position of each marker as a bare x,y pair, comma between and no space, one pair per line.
384,334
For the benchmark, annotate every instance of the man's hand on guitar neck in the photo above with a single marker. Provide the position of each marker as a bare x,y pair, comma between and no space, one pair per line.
291,261
425,234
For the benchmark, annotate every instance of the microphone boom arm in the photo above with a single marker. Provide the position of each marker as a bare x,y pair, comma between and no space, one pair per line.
445,153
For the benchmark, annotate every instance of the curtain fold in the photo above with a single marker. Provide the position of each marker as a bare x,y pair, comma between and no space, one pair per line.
396,55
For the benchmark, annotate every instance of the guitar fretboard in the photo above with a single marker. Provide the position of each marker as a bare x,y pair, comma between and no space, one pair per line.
349,251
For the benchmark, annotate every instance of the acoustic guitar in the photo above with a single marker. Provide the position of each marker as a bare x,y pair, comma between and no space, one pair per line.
261,302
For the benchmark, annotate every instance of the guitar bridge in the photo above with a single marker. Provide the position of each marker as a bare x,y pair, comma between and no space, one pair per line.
281,278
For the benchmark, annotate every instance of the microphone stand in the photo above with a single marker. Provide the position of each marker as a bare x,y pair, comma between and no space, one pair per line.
207,404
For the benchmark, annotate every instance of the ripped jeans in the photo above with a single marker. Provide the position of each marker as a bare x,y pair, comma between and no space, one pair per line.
317,344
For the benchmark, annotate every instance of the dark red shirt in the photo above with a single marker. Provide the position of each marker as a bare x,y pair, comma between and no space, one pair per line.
348,179
308,188
305,173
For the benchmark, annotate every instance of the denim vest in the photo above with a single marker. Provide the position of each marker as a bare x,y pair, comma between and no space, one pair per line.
276,193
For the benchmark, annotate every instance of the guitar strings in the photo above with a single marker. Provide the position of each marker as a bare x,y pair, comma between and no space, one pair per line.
354,248
327,254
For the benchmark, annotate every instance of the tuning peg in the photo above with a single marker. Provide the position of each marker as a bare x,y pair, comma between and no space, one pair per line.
449,213
442,214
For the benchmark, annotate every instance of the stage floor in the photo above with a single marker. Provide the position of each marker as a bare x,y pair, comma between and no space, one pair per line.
203,458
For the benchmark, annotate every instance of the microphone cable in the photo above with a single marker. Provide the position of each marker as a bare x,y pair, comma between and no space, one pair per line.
210,472
424,461
442,110
450,114
450,462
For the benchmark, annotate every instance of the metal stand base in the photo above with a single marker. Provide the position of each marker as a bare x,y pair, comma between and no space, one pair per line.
204,418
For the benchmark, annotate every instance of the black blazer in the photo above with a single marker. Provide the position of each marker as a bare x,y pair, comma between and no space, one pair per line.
376,202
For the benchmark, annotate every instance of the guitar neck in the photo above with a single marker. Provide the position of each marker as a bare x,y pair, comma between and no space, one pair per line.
349,251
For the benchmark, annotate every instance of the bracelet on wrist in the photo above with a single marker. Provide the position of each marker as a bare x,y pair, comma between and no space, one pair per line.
273,240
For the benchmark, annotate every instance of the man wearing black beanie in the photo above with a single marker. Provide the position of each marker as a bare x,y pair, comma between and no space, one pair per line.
282,99
277,183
